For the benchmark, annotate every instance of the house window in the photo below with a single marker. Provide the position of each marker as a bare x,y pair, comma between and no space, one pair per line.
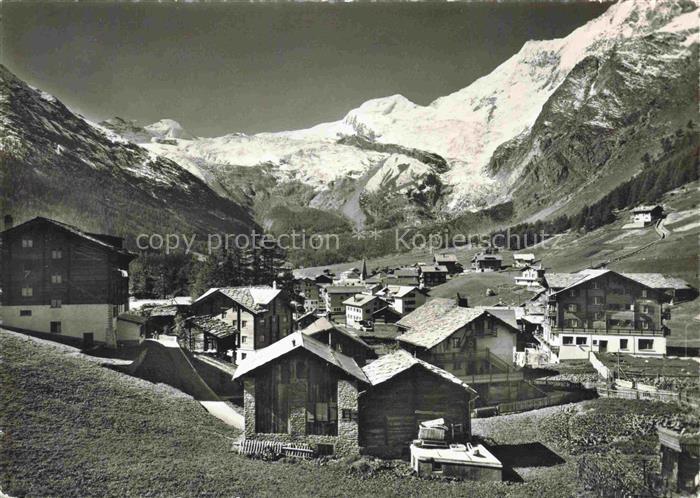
624,343
595,285
56,253
244,339
262,338
56,278
573,292
598,315
25,312
597,299
645,309
348,415
644,324
27,292
581,341
645,344
573,323
572,307
645,293
55,303
243,356
244,323
456,342
27,243
567,339
55,327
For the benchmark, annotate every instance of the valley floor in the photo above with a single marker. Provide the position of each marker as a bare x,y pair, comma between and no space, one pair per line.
72,427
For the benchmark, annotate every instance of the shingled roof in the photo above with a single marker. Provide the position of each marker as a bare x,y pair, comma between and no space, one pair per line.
254,299
430,311
427,334
98,239
213,326
658,281
324,325
561,280
390,365
293,342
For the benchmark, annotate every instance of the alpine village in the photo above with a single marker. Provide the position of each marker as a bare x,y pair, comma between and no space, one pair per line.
560,360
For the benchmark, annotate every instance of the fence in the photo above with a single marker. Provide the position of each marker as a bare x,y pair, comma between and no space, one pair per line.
550,400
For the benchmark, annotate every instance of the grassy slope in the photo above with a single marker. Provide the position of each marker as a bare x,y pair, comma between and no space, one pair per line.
71,427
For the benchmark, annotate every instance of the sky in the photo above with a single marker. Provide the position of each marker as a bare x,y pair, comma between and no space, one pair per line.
226,68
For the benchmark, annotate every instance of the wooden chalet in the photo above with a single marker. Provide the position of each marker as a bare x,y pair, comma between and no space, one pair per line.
210,334
474,344
340,340
406,391
301,391
261,315
59,279
449,261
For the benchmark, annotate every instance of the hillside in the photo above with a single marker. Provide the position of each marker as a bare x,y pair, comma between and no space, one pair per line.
56,164
162,443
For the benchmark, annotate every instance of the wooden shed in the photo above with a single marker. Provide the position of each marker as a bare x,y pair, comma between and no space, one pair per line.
405,392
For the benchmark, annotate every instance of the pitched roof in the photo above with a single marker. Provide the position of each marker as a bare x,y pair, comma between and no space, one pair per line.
434,269
561,280
360,300
254,299
98,239
293,342
428,312
657,280
406,272
213,325
526,256
508,315
485,256
450,258
345,289
431,333
390,365
401,290
133,318
310,272
324,325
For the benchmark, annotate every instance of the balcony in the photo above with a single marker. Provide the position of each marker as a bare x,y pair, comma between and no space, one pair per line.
609,331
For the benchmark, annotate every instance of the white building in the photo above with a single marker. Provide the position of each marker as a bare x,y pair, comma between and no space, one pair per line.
360,308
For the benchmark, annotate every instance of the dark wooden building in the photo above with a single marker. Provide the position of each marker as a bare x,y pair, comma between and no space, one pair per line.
405,392
340,340
58,279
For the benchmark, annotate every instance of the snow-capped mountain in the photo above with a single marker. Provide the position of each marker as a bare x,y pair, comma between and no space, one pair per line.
54,163
465,128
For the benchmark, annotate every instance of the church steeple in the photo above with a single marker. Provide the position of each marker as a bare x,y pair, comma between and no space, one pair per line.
363,271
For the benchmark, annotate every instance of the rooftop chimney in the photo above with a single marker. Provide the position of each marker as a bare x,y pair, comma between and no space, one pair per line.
8,222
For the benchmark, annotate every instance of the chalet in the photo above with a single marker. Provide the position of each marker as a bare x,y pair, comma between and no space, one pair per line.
59,279
307,284
299,390
646,215
474,344
404,392
404,276
487,261
403,298
523,259
531,277
340,340
433,275
449,261
360,308
334,295
212,335
260,315
603,311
